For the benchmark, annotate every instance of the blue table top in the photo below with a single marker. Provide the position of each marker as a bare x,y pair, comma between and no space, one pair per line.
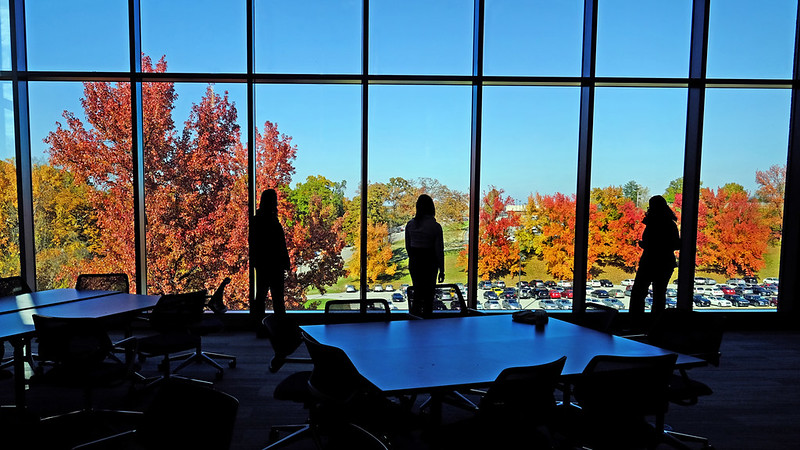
38,299
420,355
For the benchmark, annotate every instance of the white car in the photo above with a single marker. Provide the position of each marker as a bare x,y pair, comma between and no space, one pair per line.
565,283
770,280
699,280
701,290
719,302
717,292
491,304
628,282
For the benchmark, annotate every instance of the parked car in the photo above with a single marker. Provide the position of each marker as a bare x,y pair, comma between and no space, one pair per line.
491,304
388,288
614,303
490,295
349,288
756,300
616,293
484,284
564,303
377,288
671,303
701,290
445,295
522,284
600,293
439,305
606,283
750,280
555,293
567,293
398,297
548,304
699,300
509,293
565,283
525,292
720,302
628,290
735,281
499,283
771,280
497,290
672,292
627,282
511,303
727,290
541,293
737,300
699,280
535,283
711,281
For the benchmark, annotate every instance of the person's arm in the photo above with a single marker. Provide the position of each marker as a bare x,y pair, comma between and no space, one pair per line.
438,247
287,263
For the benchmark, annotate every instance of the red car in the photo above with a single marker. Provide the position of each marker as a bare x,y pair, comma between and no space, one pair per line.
555,294
567,293
727,290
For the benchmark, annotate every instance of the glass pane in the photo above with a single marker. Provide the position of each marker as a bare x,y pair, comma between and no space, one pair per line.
308,36
5,36
419,142
751,40
745,141
638,148
87,35
643,39
528,178
533,38
82,188
309,150
196,189
421,37
9,220
196,35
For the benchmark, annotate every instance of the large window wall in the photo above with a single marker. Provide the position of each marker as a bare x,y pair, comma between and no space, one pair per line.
540,129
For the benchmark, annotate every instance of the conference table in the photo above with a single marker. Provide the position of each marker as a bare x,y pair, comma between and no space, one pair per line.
439,355
16,317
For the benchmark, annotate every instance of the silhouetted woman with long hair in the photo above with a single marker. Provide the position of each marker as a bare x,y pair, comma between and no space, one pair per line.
659,241
268,256
425,248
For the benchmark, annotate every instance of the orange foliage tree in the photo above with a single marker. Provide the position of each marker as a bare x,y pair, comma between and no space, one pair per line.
379,254
771,191
196,188
498,251
617,226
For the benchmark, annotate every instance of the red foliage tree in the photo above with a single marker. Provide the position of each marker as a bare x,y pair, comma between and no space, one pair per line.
498,252
195,189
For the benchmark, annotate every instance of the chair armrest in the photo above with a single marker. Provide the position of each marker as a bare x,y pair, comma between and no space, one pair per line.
107,442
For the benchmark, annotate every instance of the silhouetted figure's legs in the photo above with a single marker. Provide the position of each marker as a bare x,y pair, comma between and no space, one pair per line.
659,277
423,270
272,281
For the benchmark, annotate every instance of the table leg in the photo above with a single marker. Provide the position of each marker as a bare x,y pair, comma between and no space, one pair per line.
19,372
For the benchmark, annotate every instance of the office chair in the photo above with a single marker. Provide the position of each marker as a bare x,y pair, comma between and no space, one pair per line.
12,286
103,282
459,304
516,411
356,310
347,408
80,354
172,319
210,324
285,337
171,420
691,333
598,317
616,395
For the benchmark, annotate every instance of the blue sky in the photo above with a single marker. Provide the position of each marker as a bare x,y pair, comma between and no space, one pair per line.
530,133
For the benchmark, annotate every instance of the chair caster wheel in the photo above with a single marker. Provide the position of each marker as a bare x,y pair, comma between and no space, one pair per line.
218,376
232,364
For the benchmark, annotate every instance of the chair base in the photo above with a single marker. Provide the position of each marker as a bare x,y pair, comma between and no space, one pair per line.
296,432
200,357
677,439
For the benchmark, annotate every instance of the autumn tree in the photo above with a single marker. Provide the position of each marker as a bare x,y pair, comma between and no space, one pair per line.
9,219
379,254
196,190
547,231
617,225
731,234
674,188
771,192
498,252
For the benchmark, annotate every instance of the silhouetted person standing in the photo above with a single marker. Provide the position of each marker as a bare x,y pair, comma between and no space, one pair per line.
660,239
268,255
425,248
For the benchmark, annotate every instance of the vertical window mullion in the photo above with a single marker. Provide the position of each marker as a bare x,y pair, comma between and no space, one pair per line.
693,152
586,127
137,143
475,154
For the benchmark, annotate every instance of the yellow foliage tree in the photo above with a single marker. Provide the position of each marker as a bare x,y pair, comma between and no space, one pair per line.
379,254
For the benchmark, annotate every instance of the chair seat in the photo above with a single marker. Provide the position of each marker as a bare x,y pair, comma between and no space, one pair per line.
684,391
294,388
106,373
163,344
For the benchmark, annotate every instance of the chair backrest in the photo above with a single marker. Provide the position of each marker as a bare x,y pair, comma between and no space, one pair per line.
457,304
185,414
523,393
355,310
625,386
285,337
334,378
694,333
598,317
178,312
13,286
79,343
217,301
103,282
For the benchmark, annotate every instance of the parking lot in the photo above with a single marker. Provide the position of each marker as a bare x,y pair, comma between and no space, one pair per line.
498,296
